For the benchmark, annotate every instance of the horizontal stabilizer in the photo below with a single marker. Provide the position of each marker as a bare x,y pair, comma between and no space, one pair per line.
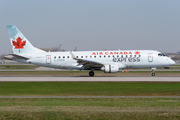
20,56
9,57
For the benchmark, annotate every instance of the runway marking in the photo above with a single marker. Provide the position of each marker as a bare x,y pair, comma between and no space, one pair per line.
89,96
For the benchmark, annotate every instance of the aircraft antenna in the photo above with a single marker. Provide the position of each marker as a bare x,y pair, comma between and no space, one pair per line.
75,49
60,47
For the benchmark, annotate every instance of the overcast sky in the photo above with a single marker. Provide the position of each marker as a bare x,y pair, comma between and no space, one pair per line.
94,24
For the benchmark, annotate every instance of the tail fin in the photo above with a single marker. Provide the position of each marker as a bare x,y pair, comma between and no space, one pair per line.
19,43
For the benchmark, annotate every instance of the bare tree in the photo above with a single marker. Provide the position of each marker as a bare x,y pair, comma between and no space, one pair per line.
176,57
53,49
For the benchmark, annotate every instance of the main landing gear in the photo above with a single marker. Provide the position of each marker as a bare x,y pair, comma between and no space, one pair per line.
153,74
91,73
152,71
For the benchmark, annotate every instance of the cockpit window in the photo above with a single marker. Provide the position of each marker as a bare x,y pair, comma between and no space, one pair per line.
161,54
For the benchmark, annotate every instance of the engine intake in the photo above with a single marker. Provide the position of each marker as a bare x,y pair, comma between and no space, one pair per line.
110,68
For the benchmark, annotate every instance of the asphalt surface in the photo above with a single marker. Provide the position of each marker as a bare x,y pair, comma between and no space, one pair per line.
89,79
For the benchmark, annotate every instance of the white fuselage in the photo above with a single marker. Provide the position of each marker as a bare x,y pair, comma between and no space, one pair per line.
124,59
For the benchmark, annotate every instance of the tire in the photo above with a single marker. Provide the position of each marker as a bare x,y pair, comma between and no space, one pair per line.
91,73
153,74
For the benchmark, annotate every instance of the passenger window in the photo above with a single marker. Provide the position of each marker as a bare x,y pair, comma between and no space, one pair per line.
54,56
86,56
94,56
81,56
90,56
63,56
76,56
59,57
109,55
100,56
117,55
67,56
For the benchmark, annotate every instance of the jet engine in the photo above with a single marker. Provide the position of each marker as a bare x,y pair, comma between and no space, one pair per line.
110,68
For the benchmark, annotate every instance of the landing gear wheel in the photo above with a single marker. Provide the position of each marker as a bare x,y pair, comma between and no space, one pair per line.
91,73
153,74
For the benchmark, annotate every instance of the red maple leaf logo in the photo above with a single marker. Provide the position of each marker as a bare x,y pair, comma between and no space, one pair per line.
137,52
19,44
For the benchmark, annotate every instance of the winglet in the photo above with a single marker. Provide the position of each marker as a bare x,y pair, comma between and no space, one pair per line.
72,55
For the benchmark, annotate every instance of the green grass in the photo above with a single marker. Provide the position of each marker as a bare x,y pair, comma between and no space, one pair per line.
82,108
89,108
59,115
98,102
89,88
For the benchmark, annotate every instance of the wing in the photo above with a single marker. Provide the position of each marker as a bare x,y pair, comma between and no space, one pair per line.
87,63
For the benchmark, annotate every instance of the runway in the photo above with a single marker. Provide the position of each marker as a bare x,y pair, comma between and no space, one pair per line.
89,79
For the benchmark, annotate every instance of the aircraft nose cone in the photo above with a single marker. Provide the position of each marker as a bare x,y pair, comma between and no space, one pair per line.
172,62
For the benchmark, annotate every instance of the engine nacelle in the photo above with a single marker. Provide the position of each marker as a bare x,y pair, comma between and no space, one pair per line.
110,68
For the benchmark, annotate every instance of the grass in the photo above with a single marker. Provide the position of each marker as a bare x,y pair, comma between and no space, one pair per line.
89,89
89,108
97,102
103,108
59,115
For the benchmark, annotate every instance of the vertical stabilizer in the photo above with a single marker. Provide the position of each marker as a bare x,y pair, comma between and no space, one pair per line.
19,43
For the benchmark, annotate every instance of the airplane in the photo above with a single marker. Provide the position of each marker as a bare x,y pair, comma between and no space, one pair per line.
108,61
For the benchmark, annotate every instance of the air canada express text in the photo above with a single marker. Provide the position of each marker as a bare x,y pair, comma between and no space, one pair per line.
116,53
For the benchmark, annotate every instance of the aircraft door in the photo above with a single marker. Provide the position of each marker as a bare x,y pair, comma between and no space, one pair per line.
48,59
150,57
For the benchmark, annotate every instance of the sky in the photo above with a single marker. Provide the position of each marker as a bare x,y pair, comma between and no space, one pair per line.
93,24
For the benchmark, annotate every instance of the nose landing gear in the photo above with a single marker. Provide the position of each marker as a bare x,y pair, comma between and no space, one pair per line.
91,73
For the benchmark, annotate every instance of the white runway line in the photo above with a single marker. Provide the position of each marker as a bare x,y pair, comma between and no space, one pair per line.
91,79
